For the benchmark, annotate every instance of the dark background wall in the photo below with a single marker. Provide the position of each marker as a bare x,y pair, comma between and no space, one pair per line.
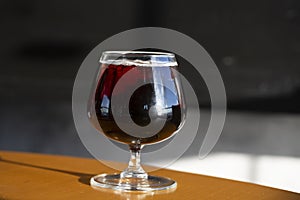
255,44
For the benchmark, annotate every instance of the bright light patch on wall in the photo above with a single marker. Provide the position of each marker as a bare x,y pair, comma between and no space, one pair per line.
274,171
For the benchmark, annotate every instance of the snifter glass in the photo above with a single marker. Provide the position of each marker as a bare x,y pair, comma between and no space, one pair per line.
137,100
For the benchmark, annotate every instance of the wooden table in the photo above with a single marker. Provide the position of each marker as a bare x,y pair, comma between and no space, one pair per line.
37,176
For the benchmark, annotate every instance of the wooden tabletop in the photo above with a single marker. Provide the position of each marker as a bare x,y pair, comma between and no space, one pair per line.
38,176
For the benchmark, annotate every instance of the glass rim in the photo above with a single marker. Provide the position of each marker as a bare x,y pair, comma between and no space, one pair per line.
139,58
141,53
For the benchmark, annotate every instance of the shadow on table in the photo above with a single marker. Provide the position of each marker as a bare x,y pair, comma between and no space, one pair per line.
83,178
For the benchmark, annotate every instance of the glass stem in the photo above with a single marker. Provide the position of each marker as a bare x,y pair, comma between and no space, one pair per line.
134,169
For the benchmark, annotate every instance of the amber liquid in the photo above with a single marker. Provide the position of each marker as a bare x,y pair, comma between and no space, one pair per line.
141,100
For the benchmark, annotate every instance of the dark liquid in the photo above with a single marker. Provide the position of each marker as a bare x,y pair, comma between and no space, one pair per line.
141,101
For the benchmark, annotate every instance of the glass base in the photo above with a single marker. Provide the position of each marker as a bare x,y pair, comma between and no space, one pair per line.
114,181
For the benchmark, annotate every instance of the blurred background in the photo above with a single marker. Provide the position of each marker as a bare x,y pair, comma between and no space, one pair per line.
255,44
